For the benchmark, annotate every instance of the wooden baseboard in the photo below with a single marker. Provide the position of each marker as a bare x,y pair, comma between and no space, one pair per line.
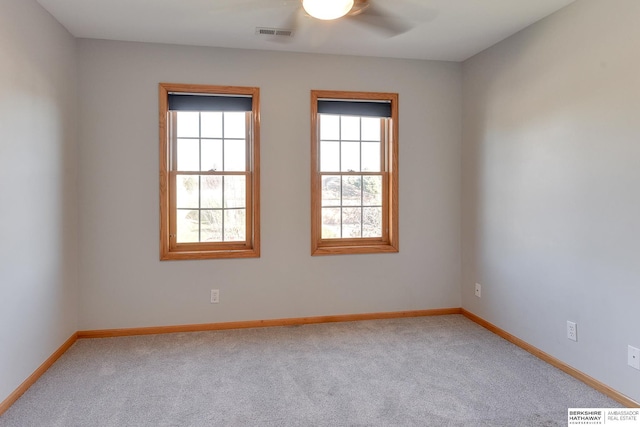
107,333
37,374
592,382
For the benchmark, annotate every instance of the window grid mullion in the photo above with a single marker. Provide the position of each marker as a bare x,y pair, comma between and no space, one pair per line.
340,166
360,143
361,204
223,208
200,177
224,168
361,177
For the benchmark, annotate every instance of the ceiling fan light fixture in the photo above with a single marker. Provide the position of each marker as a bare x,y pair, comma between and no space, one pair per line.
327,9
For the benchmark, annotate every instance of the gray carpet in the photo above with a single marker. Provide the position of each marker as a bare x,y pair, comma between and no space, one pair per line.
429,371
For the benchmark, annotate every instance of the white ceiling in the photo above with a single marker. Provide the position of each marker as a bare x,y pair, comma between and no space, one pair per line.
452,30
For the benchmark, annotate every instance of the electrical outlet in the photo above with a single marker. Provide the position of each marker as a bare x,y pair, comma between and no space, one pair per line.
215,296
633,357
478,290
572,331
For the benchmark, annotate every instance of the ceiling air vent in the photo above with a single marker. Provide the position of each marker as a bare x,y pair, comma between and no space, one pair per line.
282,32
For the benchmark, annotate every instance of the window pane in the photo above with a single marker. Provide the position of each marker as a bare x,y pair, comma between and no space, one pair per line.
188,125
235,192
329,127
350,156
370,129
234,155
234,125
351,191
329,156
211,155
330,223
351,222
350,128
371,156
211,224
372,222
235,222
211,124
211,196
372,191
330,191
187,226
188,155
187,191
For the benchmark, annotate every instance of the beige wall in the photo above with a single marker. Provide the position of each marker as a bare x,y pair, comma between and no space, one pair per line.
551,168
123,282
38,250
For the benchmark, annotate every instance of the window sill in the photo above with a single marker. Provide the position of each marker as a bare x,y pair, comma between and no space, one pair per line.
354,249
219,254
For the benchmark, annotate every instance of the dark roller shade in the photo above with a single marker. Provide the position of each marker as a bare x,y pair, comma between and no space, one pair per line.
355,108
181,102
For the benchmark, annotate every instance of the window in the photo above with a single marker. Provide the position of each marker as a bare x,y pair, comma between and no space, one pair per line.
209,172
354,172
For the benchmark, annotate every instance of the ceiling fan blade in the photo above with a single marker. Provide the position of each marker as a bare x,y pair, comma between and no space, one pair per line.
381,21
294,19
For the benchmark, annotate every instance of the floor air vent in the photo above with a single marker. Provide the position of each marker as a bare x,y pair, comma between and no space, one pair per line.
282,32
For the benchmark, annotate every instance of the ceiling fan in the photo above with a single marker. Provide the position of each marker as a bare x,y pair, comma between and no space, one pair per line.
363,12
334,9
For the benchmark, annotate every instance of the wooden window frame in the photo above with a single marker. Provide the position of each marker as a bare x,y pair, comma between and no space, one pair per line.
389,242
169,248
